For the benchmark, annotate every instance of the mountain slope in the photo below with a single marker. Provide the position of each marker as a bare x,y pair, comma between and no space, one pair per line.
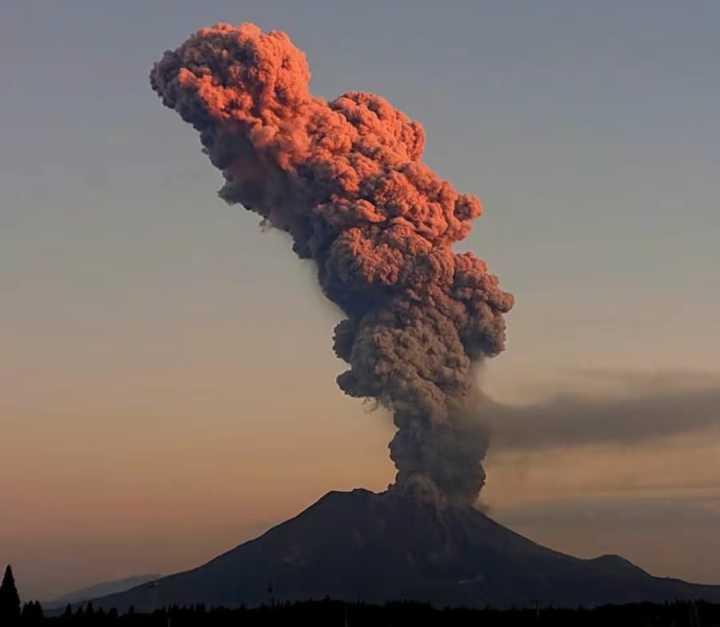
100,589
376,547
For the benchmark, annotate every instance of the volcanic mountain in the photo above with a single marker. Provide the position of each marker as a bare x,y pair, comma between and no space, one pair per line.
362,546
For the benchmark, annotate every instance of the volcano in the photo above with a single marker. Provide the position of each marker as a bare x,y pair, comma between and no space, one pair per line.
363,546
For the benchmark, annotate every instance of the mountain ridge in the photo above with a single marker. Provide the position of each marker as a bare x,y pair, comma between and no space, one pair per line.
102,588
363,546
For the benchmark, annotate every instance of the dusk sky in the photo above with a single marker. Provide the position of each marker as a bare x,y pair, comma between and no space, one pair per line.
168,382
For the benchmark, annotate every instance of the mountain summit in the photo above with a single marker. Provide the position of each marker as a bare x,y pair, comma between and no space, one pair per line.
371,547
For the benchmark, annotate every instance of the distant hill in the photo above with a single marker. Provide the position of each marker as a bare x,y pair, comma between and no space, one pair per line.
377,547
99,590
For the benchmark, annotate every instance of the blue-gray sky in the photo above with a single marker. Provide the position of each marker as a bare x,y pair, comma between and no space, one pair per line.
145,324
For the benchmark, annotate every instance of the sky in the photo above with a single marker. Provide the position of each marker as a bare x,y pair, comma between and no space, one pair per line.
167,387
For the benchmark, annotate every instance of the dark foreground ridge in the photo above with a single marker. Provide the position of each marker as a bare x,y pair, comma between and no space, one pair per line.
361,546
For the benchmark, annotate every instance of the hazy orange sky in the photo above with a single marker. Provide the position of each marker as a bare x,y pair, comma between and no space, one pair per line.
168,387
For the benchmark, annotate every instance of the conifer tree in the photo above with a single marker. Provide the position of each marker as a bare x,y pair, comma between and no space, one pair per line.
32,613
9,598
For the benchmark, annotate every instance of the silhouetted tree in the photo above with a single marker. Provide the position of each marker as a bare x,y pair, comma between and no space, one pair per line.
9,599
32,613
329,613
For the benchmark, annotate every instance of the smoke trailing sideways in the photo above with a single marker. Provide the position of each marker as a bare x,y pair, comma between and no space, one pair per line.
345,179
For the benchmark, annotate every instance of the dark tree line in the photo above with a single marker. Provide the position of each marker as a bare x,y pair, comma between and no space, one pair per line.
329,613
11,611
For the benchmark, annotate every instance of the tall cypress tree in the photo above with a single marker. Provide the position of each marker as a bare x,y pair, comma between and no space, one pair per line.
9,598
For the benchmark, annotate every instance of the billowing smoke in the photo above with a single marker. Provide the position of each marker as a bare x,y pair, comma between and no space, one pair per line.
345,179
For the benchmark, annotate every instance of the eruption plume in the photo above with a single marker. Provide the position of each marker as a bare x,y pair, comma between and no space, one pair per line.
345,179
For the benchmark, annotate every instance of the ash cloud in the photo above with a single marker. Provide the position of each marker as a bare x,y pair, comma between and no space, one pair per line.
346,180
634,409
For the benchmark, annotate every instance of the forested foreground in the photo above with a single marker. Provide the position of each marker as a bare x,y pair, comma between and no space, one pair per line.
334,613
